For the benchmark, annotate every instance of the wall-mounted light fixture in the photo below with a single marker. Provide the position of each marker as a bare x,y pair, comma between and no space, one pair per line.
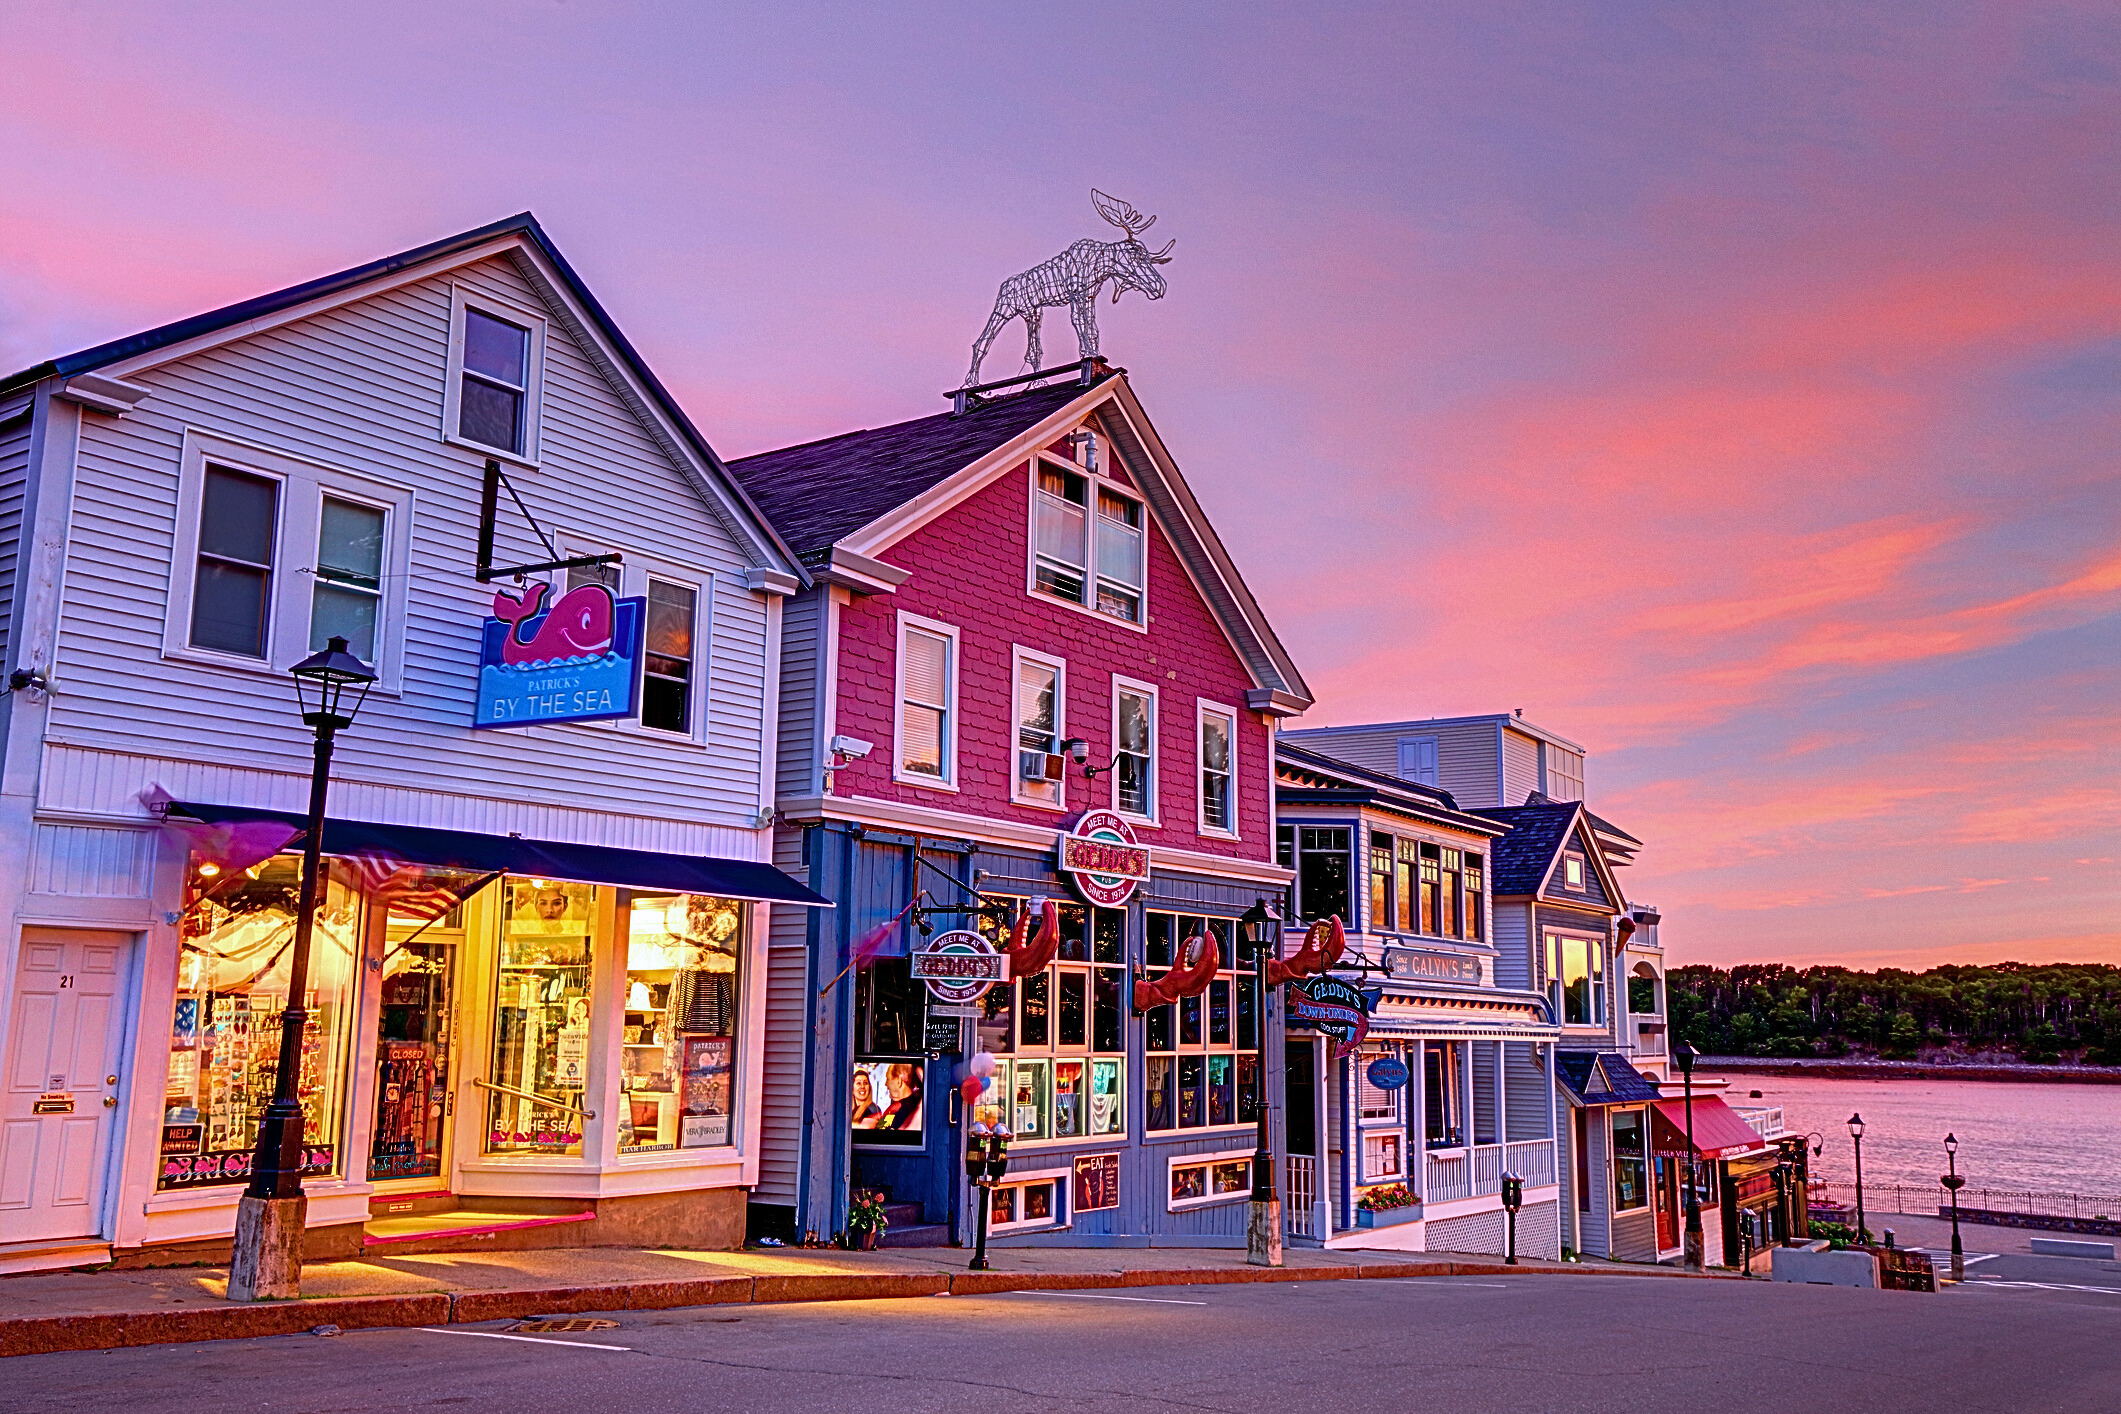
1078,751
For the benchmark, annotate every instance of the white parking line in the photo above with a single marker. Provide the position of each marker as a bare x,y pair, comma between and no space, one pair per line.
2044,1286
531,1339
1946,1254
1435,1281
1094,1296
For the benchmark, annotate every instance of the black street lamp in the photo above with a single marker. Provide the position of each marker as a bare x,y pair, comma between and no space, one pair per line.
1863,1234
1683,1056
1258,926
1954,1183
329,687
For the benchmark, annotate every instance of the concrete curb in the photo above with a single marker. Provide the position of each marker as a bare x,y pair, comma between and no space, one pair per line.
45,1335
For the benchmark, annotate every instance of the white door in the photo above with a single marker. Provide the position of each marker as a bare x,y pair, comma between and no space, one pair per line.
59,1110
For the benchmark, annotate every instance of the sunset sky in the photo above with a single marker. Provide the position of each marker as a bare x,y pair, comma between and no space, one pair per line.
1731,387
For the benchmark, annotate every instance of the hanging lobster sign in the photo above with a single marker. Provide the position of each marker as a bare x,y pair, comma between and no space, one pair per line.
577,659
1104,859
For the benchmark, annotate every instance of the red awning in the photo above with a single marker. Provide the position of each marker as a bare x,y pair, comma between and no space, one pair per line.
1718,1131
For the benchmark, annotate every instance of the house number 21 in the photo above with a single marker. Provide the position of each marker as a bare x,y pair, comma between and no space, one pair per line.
66,979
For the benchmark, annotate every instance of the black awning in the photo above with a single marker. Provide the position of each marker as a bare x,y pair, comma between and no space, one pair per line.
581,863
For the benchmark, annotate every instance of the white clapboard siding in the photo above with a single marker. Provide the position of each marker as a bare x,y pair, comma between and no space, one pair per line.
360,388
787,1037
802,703
1520,766
14,460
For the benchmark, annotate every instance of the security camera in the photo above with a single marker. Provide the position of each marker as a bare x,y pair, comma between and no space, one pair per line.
852,747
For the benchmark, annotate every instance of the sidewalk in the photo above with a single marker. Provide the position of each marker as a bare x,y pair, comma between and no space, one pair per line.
52,1311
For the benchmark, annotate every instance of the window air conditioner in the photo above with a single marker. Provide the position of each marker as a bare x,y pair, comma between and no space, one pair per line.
1039,765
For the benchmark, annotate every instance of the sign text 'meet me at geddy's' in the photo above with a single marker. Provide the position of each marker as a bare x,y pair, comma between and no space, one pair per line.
1081,855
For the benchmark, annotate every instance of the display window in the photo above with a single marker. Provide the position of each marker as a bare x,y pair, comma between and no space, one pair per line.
236,944
1200,1179
1060,1034
1202,1053
1383,1156
1035,1201
888,1093
678,1044
541,1023
1631,1184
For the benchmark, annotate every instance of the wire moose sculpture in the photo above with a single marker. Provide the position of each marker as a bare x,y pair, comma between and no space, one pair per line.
1073,278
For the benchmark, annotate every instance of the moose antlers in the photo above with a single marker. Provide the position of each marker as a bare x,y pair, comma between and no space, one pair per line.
1120,214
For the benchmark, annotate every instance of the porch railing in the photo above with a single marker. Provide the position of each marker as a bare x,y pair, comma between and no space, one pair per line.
1649,1037
1299,1204
1531,1160
1766,1120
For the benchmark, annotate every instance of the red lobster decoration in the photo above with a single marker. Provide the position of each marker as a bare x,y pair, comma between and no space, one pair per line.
1032,955
1322,947
1181,980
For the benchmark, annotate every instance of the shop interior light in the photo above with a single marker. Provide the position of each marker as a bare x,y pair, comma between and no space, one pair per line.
209,870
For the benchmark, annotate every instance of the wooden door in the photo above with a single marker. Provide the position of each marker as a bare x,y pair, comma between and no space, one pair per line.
1667,1189
58,1106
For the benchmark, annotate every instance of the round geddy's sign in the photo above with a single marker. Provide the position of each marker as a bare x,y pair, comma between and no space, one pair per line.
1103,859
959,967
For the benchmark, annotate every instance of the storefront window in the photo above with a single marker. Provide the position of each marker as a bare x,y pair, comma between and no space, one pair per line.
1441,1096
1631,1185
1202,1063
678,1047
1061,1033
542,1003
237,940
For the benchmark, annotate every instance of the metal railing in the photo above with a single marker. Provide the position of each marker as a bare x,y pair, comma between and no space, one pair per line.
1766,1120
1927,1197
1300,1195
1649,1037
1531,1160
546,1100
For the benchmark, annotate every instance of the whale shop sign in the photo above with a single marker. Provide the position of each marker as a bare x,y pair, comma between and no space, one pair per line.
576,660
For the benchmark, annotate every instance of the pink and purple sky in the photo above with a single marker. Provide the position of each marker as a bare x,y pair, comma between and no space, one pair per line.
1731,387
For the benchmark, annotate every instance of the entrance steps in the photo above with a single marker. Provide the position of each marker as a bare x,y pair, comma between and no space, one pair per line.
444,1222
905,1228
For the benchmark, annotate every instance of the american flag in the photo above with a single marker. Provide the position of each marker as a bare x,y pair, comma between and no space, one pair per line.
405,889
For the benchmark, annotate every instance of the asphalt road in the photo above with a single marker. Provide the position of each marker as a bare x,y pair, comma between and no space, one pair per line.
1627,1344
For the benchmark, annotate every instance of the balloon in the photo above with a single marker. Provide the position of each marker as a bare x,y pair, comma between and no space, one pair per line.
982,1064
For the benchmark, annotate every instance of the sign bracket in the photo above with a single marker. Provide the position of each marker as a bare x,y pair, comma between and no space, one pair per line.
489,509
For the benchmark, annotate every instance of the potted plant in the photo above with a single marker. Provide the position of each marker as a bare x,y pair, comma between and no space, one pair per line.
866,1219
1385,1206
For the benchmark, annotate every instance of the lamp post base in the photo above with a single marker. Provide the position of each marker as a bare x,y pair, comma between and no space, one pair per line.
1263,1234
268,1254
1695,1245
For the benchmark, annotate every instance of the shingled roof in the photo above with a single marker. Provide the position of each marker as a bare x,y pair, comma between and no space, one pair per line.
816,493
1602,1078
1525,855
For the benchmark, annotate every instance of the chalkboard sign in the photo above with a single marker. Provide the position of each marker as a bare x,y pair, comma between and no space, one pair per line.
942,1035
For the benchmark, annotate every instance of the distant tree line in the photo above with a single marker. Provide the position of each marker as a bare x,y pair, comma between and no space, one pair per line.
2039,1014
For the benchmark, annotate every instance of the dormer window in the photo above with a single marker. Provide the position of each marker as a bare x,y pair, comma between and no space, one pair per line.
496,354
1088,541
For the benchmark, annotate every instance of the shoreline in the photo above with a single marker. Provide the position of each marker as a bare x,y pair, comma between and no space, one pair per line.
1913,1070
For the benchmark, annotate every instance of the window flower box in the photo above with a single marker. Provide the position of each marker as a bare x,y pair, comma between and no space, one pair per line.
1386,1207
1386,1217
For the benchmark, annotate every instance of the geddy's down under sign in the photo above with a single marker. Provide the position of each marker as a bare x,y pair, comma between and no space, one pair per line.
577,661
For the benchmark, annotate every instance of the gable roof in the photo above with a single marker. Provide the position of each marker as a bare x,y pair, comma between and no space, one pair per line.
235,320
818,493
1602,1078
1305,776
896,479
1525,856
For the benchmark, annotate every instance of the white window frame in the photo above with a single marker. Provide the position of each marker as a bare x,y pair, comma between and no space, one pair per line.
1062,1180
1153,819
1094,481
635,570
303,484
1582,868
1019,655
1596,978
1209,1161
1380,1132
1203,709
461,299
948,781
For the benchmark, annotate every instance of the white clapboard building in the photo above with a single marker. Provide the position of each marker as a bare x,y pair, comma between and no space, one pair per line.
534,1000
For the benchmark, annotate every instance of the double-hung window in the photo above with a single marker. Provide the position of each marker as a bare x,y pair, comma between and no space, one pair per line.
1218,738
926,750
1475,913
275,556
1089,541
496,357
667,676
1041,715
1134,749
1381,864
231,603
